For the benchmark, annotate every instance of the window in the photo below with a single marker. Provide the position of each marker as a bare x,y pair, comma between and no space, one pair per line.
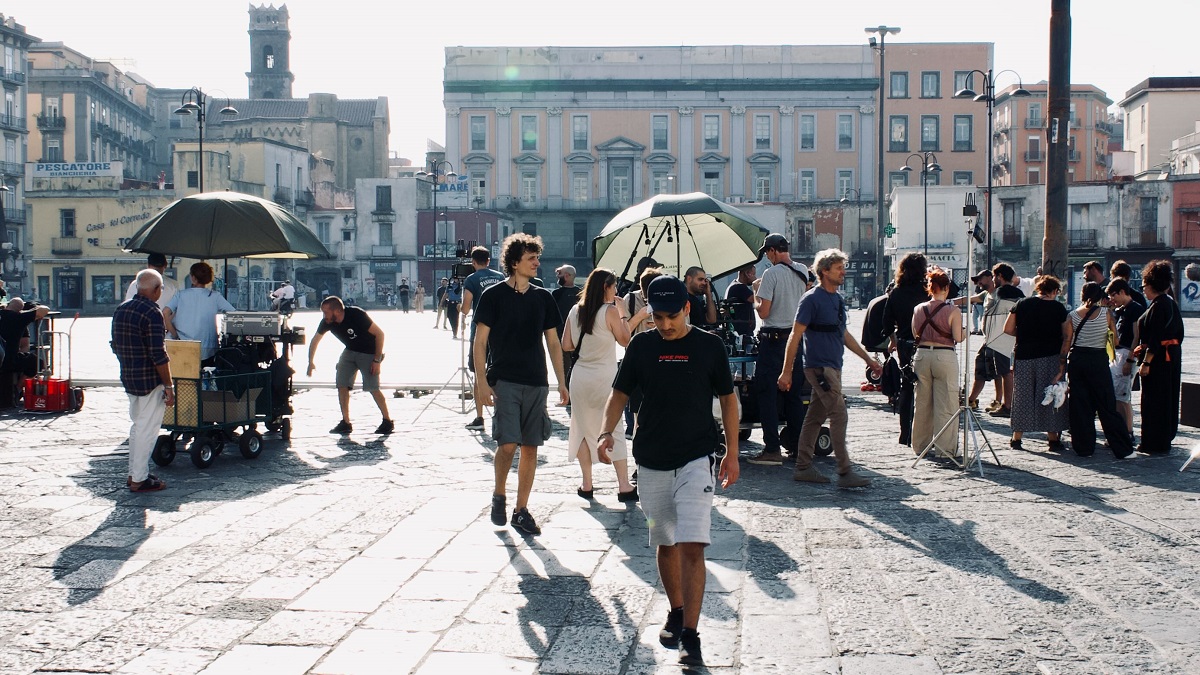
529,133
478,190
579,133
898,137
66,218
932,177
529,188
963,178
660,184
347,235
581,239
762,132
1034,176
929,133
808,185
808,132
443,231
579,187
712,132
619,175
931,84
102,290
845,131
52,106
897,179
385,234
899,85
1142,118
658,130
1147,213
478,133
383,198
1035,115
963,133
193,179
1034,153
845,182
963,79
54,151
712,184
762,186
323,231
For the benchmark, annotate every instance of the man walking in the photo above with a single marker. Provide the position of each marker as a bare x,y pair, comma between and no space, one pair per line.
566,295
483,278
679,369
778,296
402,294
363,339
137,340
158,263
512,320
821,323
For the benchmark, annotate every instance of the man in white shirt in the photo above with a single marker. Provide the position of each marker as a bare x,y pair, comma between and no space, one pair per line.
158,263
286,291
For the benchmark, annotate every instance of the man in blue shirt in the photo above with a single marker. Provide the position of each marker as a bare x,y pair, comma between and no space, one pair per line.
483,278
821,322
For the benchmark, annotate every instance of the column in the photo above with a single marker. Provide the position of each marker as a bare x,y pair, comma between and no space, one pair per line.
504,159
737,152
687,150
787,153
554,157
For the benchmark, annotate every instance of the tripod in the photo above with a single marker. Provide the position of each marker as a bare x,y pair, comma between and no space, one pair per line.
968,418
462,373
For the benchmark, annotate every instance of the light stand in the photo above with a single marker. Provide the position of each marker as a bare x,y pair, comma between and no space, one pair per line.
969,424
466,379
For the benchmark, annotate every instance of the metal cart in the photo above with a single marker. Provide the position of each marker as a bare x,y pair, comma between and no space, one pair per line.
49,391
743,382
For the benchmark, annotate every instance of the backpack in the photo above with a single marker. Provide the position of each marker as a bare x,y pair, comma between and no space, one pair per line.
890,381
874,335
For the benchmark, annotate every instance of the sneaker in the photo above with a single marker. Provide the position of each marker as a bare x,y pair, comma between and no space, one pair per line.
1002,412
385,427
342,427
973,404
476,424
767,458
498,510
810,475
689,648
523,521
994,406
852,480
669,635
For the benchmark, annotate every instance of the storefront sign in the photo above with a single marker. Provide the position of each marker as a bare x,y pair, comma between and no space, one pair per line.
945,259
77,169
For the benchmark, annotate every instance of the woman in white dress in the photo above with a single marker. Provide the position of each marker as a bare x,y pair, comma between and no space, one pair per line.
597,324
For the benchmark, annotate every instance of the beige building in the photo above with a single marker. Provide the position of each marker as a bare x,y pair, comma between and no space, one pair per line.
14,129
1021,135
1157,111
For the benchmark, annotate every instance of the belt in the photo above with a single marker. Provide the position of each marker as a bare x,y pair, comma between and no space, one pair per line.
934,347
1169,343
774,333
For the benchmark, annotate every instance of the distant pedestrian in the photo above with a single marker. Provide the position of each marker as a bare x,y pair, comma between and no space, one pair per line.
419,297
137,341
363,339
403,292
566,295
439,302
454,296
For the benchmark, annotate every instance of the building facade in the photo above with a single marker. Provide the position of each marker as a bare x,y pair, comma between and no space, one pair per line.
1022,134
1157,111
14,127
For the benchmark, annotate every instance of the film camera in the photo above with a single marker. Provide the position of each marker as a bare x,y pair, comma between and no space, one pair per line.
462,266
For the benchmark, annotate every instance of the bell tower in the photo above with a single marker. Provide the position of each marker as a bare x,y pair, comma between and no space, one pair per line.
269,39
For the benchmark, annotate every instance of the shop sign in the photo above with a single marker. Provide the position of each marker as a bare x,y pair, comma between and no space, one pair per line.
77,169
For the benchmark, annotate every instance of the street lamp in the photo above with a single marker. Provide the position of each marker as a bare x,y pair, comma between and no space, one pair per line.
988,98
929,165
435,176
195,101
880,220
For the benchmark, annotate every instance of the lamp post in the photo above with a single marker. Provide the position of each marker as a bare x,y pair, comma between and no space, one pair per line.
195,101
435,176
880,215
988,98
929,165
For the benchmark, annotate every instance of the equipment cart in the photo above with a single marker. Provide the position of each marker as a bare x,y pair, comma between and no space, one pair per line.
49,391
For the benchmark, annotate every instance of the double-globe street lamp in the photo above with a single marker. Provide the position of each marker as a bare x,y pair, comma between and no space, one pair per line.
929,166
434,176
988,98
880,194
195,101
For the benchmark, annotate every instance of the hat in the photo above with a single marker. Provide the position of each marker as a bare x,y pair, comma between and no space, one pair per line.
982,274
645,262
569,269
666,294
775,241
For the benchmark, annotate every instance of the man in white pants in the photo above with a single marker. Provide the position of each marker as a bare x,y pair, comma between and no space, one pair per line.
137,340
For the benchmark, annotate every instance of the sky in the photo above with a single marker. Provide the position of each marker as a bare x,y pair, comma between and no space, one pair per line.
394,48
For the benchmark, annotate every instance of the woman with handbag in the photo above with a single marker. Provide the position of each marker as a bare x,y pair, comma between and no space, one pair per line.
1160,335
1091,390
1043,331
937,328
594,328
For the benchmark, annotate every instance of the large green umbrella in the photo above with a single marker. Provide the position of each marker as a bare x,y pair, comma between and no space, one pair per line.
679,231
226,225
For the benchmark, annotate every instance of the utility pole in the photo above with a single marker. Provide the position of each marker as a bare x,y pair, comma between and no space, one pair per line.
1054,242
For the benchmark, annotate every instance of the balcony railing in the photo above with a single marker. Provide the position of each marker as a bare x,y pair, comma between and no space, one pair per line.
283,195
66,246
385,251
12,168
304,198
1146,237
12,76
14,216
1035,156
51,122
1082,238
1105,127
1072,155
1035,122
12,122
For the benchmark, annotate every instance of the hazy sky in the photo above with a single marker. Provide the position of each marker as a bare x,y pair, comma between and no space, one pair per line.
394,48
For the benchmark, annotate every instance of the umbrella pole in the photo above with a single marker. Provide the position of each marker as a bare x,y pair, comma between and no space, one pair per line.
633,254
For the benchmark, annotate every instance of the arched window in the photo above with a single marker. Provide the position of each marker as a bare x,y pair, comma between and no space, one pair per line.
269,56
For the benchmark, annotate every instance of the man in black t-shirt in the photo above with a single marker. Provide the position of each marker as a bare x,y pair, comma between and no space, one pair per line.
740,296
566,295
363,339
1126,312
703,303
512,320
679,369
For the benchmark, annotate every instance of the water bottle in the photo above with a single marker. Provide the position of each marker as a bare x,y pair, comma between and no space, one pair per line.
208,383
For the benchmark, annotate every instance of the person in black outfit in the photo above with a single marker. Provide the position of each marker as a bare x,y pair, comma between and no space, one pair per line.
402,293
701,299
15,319
740,296
897,321
566,295
363,339
1160,334
1122,270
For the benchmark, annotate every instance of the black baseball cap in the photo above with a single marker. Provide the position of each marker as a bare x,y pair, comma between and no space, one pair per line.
666,294
982,274
776,241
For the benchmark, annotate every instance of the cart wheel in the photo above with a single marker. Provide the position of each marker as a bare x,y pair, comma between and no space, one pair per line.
285,430
164,450
274,426
744,434
203,453
824,442
721,450
77,399
250,444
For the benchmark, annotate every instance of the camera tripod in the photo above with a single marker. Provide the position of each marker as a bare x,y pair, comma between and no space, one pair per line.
466,379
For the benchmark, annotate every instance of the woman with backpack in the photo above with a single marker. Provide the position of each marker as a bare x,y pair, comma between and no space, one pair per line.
936,328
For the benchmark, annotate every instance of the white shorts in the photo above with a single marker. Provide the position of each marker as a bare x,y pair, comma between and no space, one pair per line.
678,503
1121,382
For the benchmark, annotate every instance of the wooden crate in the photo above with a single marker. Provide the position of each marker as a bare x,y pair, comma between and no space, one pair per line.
185,358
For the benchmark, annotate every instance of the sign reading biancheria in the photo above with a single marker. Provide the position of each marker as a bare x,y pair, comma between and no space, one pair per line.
77,169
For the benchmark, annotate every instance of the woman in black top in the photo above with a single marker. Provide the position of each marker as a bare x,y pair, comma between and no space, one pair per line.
1160,334
909,292
1043,333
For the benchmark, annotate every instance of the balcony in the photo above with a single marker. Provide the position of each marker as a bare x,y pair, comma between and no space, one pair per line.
51,122
304,198
12,122
1105,127
1072,155
66,246
14,216
1035,156
1001,159
12,168
12,76
1147,235
1002,127
383,252
1081,239
1035,122
283,196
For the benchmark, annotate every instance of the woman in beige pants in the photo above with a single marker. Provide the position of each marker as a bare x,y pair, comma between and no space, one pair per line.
937,328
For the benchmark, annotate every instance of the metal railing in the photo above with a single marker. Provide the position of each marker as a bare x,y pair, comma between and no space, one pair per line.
1035,122
12,168
66,246
51,122
12,76
16,216
1082,238
1072,155
1035,156
12,122
283,195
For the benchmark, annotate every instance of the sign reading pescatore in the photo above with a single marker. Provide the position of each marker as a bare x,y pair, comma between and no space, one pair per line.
77,169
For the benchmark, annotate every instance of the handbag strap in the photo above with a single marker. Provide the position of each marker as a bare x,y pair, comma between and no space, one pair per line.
929,317
1075,337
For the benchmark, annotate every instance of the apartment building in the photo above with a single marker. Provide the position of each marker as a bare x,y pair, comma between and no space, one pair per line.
14,127
1157,111
1021,135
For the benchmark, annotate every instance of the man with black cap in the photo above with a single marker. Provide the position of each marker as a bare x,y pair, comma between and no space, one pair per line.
776,299
158,263
679,369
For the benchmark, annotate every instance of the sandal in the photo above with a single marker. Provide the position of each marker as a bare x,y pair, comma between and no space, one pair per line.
631,496
586,494
151,484
129,479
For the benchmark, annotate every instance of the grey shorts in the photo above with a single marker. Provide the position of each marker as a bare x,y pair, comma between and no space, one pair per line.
520,414
350,364
678,503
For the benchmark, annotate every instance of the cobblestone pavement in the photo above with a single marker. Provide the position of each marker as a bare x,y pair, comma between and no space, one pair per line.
375,554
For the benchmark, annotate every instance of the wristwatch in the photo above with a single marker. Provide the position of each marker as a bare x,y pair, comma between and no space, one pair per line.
379,359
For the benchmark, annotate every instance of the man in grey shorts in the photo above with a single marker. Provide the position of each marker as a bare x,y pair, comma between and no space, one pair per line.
363,339
678,368
512,320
